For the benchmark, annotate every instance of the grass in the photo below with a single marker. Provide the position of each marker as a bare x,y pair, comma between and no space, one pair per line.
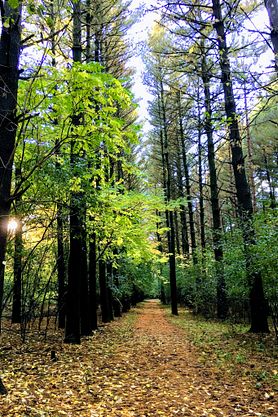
231,349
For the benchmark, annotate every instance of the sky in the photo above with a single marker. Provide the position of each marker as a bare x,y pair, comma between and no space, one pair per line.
138,35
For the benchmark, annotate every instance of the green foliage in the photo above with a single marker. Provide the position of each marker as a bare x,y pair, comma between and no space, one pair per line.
136,281
265,140
266,254
124,222
13,3
235,271
228,348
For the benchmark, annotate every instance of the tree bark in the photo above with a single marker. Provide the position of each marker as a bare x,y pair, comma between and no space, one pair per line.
160,248
9,62
176,223
200,179
18,249
93,304
84,279
61,268
169,213
104,295
72,328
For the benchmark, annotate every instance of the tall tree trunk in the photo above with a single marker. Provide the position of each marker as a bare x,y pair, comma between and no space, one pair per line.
109,269
92,268
160,248
176,223
84,289
18,249
200,180
257,299
61,265
93,304
72,328
222,308
117,305
187,187
183,220
61,268
9,62
17,288
104,294
169,213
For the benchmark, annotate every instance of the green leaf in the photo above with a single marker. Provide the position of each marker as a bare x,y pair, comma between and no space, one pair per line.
13,3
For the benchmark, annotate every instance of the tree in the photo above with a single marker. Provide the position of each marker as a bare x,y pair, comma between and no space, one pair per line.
9,74
245,207
222,307
263,131
272,10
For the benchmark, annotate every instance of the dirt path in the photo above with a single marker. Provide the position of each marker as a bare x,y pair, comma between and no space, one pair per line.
163,377
139,366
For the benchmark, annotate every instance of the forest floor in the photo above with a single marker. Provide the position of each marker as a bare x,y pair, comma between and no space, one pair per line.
147,363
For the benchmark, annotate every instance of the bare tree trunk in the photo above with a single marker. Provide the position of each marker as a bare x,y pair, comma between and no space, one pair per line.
201,192
9,62
93,282
160,248
72,328
200,179
169,213
61,266
104,293
176,223
84,288
18,248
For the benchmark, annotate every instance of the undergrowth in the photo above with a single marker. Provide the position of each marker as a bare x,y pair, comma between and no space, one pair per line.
231,349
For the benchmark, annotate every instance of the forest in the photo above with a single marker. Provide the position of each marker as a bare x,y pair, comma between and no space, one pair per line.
101,209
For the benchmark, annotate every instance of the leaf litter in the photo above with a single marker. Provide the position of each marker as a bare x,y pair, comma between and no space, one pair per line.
143,365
